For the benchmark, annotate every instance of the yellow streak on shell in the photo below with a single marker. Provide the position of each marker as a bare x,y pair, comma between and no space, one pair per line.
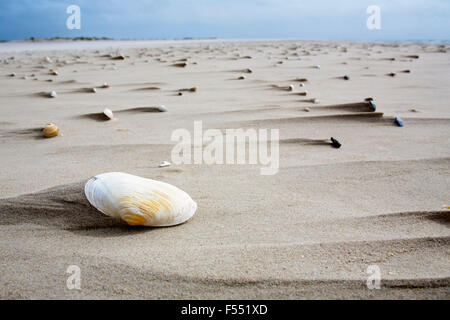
134,219
147,208
164,199
50,131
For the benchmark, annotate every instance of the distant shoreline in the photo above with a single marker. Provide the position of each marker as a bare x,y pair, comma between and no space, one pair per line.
84,38
77,44
61,44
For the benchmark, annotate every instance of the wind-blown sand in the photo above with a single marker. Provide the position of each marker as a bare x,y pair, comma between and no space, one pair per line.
310,231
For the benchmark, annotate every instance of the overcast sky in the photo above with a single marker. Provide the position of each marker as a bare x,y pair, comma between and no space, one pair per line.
287,19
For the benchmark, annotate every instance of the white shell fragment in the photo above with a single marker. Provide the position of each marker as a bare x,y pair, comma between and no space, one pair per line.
164,164
162,108
108,113
139,201
53,94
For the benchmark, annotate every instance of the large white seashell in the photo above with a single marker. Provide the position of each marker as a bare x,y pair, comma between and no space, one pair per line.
139,201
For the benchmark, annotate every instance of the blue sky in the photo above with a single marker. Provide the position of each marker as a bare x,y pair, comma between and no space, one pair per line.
291,19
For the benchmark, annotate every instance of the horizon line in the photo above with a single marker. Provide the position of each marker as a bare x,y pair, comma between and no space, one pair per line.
96,38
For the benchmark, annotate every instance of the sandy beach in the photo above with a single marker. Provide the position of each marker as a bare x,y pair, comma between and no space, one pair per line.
309,231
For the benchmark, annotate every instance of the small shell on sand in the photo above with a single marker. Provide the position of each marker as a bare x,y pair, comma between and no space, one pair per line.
336,144
53,94
248,70
307,109
316,67
302,93
93,90
392,74
108,113
54,72
398,122
50,130
47,59
162,108
241,78
105,85
290,88
164,164
119,57
12,74
301,84
346,77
